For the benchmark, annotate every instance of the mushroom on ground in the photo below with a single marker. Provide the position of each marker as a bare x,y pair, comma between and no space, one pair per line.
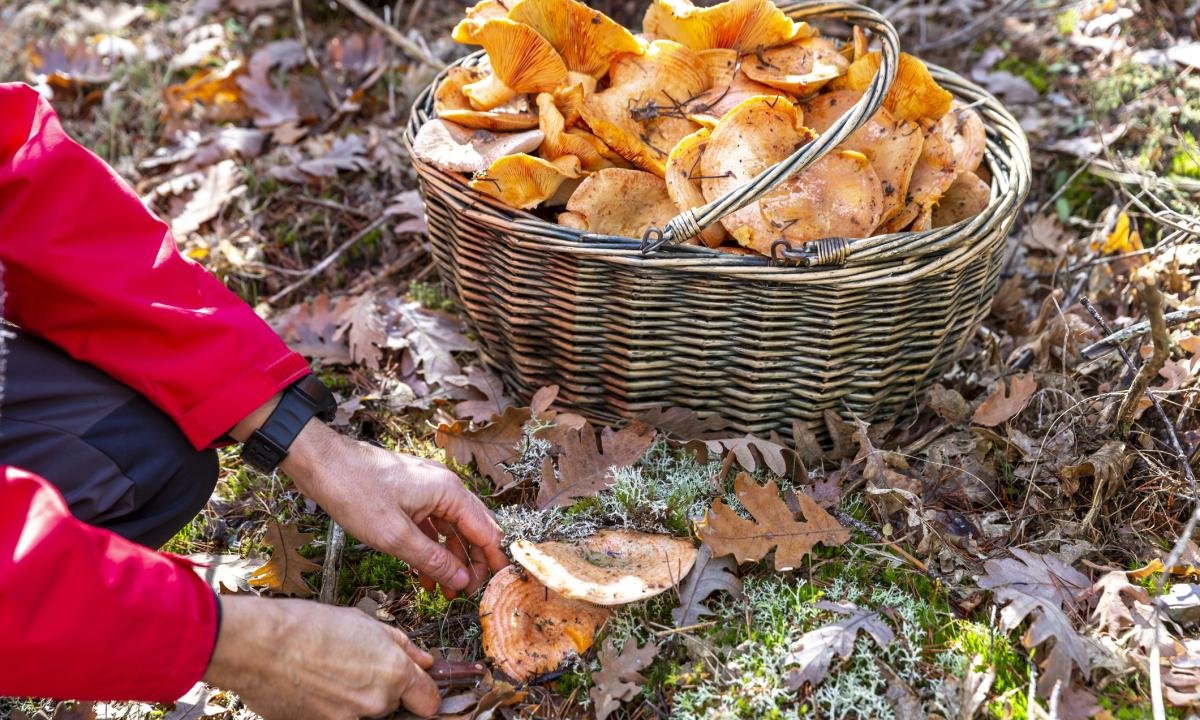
742,25
612,567
528,629
522,62
617,201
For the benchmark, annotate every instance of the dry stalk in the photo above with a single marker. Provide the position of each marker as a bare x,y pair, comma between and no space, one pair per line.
1152,299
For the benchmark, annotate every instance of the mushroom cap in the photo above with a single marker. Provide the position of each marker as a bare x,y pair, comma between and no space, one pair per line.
466,30
528,629
683,181
838,196
452,104
932,176
963,127
722,64
914,94
754,135
641,114
522,62
587,39
612,567
558,142
742,25
525,181
460,149
893,146
800,68
718,100
617,201
966,197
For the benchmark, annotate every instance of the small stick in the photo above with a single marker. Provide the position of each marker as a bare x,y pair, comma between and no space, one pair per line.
391,33
320,267
333,563
1108,344
1153,301
302,31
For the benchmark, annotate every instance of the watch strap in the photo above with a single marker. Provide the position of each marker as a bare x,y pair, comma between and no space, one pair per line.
268,445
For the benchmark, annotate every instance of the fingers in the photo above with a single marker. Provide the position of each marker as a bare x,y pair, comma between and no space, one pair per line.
460,550
418,691
475,524
427,556
423,659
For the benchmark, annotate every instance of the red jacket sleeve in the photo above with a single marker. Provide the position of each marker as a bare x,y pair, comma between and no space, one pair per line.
88,615
90,269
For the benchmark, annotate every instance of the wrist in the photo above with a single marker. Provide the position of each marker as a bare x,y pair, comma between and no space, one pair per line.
254,420
250,626
317,451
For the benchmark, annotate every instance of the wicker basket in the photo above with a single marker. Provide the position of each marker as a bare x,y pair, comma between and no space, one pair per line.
622,325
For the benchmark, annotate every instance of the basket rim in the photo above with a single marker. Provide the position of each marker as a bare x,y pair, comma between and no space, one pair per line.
892,258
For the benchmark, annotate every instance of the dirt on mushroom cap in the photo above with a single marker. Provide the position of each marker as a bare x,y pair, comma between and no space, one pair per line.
612,567
528,629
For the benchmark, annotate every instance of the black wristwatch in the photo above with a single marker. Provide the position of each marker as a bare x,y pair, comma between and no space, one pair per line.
302,401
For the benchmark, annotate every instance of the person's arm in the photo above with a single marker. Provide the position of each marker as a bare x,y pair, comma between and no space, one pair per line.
90,269
88,615
85,614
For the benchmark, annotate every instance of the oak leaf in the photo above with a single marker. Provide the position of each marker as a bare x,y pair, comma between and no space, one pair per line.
284,572
774,526
221,183
1001,404
683,423
709,574
329,157
488,400
585,468
432,338
619,678
752,452
816,649
226,573
311,328
490,447
364,330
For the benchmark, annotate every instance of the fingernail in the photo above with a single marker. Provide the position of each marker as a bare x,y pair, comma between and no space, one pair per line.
460,579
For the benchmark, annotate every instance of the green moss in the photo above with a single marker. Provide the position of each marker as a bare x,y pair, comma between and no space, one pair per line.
1186,161
430,295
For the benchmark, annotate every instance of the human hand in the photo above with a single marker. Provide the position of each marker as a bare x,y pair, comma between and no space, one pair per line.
300,659
399,504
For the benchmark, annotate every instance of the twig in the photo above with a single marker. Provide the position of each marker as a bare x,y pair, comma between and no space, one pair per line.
320,267
302,31
333,563
1176,446
1153,300
332,205
391,33
1108,344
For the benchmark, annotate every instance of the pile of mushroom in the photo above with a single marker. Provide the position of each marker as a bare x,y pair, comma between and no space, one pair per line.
538,613
613,132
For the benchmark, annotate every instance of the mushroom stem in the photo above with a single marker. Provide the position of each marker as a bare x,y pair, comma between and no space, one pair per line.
488,93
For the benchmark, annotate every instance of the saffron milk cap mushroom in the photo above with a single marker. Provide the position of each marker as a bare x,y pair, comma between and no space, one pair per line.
587,39
528,629
522,62
525,181
800,68
742,25
617,201
460,149
612,567
451,104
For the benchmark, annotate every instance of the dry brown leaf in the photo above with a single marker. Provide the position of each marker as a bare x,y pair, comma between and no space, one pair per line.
773,526
584,469
949,404
489,400
490,447
226,574
619,678
816,649
1003,403
222,182
283,573
329,157
682,423
709,574
749,450
364,330
310,328
431,336
1108,466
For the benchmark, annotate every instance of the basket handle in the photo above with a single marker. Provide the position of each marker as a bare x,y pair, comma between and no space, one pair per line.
689,223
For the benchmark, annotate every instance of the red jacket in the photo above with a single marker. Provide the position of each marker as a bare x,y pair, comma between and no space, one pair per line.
84,614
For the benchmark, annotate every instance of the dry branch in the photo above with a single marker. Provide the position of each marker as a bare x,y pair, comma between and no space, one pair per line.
1152,298
395,36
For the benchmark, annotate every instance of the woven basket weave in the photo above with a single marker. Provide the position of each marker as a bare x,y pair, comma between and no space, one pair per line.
622,325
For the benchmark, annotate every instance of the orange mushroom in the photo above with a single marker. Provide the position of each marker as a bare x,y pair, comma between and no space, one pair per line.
966,197
838,196
459,149
914,94
611,567
642,114
617,201
524,181
451,104
963,127
558,142
742,25
800,68
467,29
528,629
893,146
932,176
683,181
719,100
587,39
522,62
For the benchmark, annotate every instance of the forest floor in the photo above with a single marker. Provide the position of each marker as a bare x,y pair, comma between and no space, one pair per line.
1008,534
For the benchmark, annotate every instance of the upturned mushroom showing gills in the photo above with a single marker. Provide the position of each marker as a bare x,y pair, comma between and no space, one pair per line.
524,181
467,29
451,104
612,567
528,629
742,25
522,62
587,39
